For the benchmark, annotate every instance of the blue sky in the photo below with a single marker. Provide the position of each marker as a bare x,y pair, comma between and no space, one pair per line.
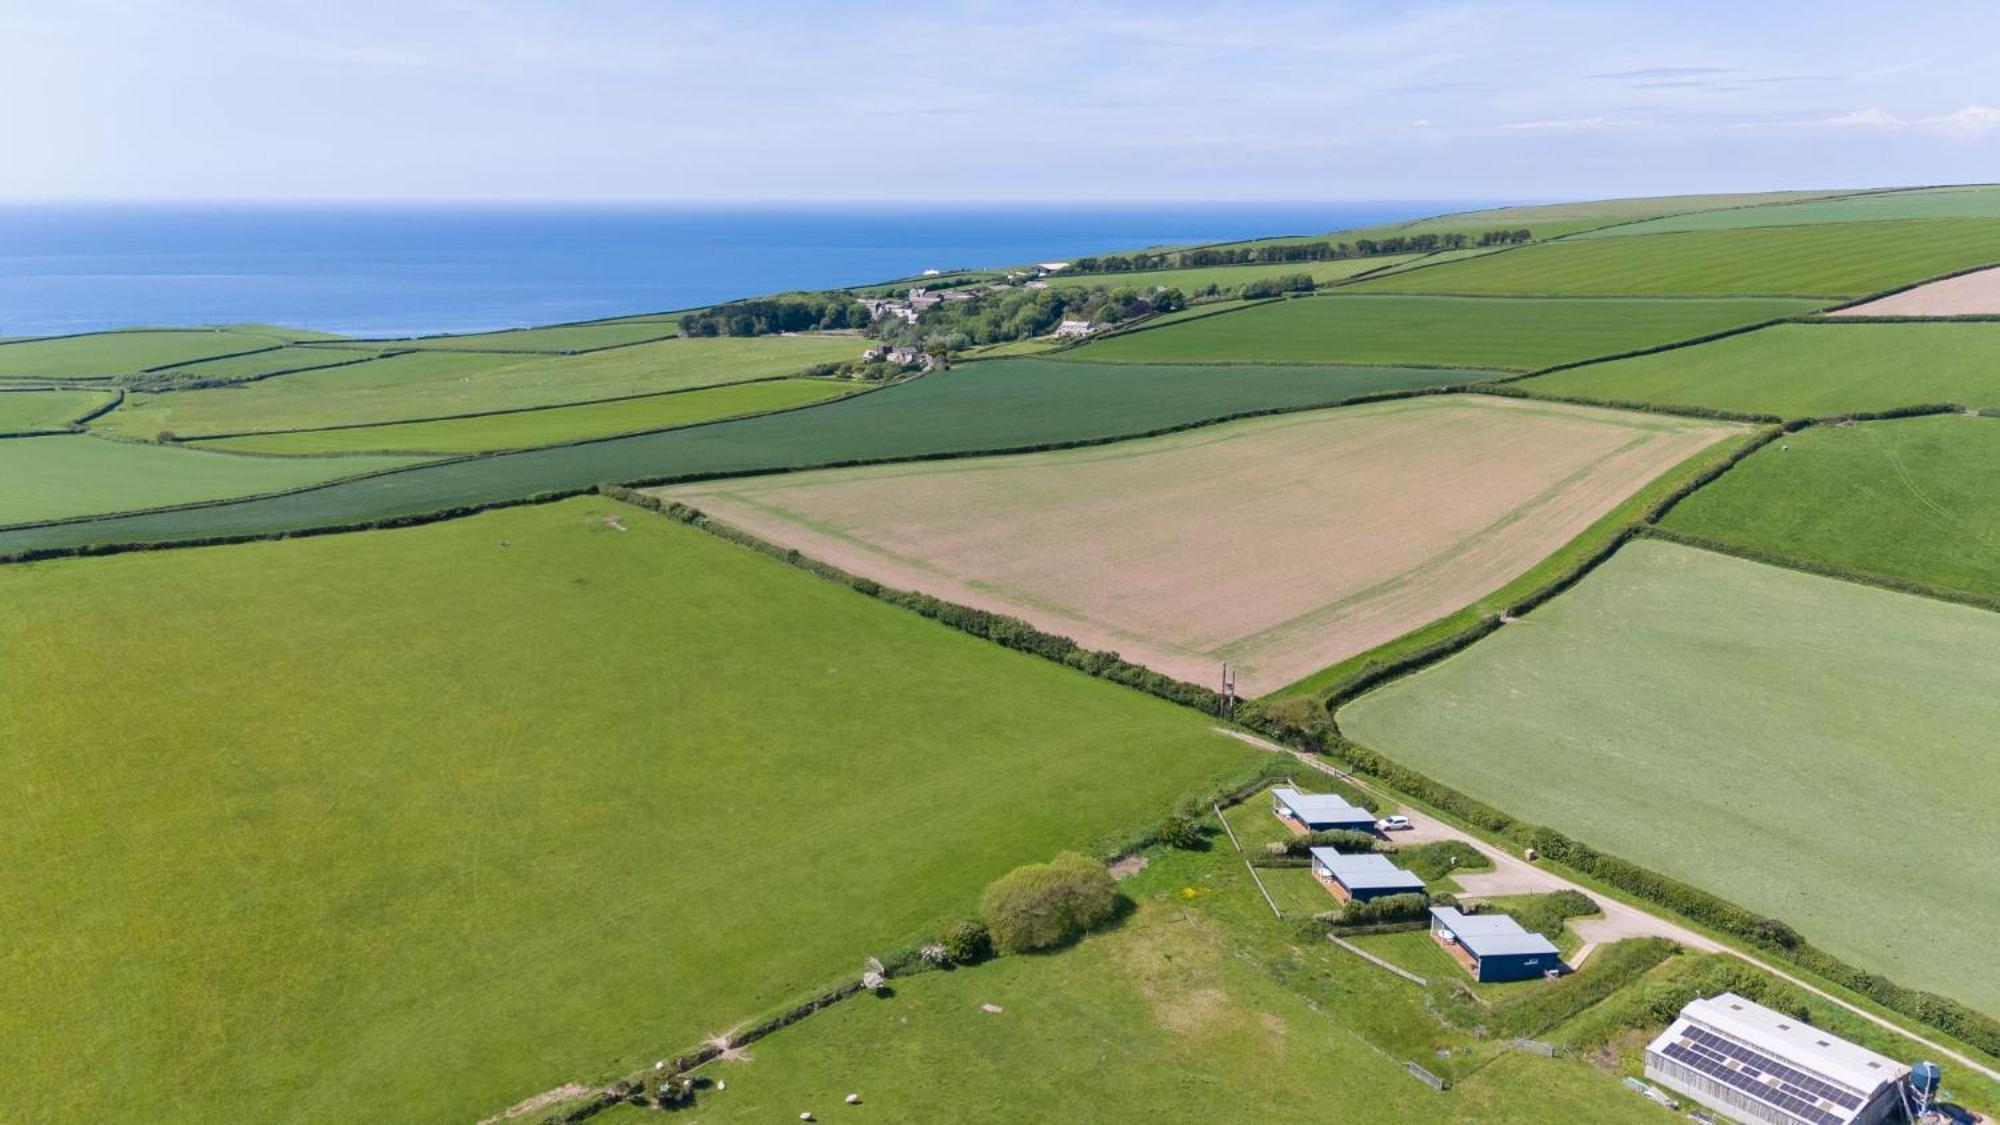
1148,99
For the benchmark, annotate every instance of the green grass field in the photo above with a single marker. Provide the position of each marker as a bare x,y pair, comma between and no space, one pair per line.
415,824
434,384
529,428
27,411
1915,498
257,365
1199,1007
553,340
1549,220
998,404
1813,749
1846,260
1941,203
105,355
65,475
1441,331
1230,277
1803,370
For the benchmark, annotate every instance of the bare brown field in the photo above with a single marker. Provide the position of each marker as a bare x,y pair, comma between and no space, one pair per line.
1972,294
1281,545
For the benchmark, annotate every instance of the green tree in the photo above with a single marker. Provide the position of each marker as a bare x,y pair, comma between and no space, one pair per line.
1043,905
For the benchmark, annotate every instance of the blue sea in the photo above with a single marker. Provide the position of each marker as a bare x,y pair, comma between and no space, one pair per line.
379,270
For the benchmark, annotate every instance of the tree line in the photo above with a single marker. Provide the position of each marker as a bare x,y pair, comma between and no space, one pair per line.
787,312
1298,251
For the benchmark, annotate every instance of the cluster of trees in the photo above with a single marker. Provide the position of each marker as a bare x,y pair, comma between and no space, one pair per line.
1043,905
1299,251
1277,286
1017,314
788,312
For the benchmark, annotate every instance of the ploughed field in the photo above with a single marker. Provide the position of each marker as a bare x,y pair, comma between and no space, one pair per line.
992,405
1280,545
1803,370
1443,331
1816,750
1970,294
1912,499
411,825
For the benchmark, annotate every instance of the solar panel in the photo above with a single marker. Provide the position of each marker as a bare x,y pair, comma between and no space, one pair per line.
1810,1086
1704,1056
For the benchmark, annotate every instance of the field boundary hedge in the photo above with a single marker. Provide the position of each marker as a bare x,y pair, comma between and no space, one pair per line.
1895,289
1008,632
198,383
454,511
192,439
1820,568
1745,207
1769,935
331,345
1152,323
1673,345
645,1084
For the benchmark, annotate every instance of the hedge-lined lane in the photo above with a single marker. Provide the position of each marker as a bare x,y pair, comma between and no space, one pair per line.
1002,404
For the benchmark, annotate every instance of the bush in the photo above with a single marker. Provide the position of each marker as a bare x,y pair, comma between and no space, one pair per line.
1043,905
966,941
1179,832
1390,908
1339,839
1545,914
1437,860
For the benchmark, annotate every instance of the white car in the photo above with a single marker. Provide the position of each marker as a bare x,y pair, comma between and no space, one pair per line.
1393,824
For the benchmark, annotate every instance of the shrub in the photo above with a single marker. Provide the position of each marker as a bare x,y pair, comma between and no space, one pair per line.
1437,860
1339,839
1545,914
1043,905
1390,908
966,941
1179,832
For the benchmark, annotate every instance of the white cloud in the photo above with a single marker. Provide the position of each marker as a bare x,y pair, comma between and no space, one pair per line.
1573,124
1966,122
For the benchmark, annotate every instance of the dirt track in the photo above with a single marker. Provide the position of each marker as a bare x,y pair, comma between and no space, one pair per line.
1971,294
1282,545
1513,875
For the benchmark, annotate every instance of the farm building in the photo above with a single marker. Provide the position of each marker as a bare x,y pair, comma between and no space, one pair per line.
1318,812
1362,877
1756,1064
1493,947
1074,328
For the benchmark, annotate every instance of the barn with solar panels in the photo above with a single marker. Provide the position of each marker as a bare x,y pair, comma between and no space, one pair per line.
1755,1064
1318,812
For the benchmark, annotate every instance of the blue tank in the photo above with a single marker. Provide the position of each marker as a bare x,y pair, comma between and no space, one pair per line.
1924,1079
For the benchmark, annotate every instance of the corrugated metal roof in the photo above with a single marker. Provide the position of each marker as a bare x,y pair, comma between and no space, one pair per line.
1367,871
1491,935
1792,1041
1320,808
